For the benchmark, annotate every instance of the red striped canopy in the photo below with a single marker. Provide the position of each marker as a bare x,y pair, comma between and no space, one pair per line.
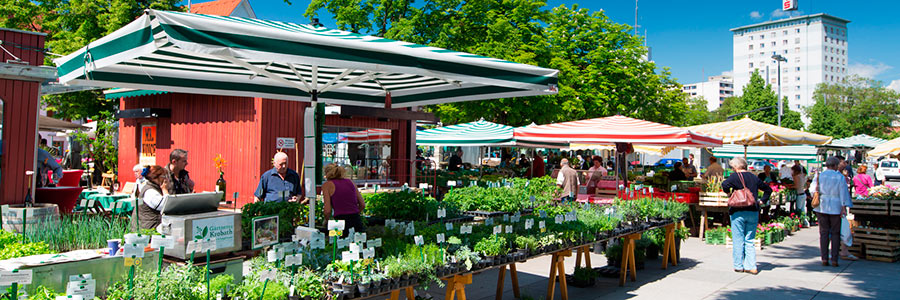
367,136
616,129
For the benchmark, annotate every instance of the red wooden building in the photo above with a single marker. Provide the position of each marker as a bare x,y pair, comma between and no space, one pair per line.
20,83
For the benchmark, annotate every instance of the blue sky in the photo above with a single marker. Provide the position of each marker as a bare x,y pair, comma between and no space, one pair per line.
692,38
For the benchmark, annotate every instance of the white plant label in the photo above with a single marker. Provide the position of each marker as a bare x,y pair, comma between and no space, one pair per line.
158,241
390,223
348,256
505,218
343,243
293,260
559,219
509,229
489,221
498,229
419,240
441,213
375,243
465,229
79,277
449,226
529,223
451,182
336,225
368,253
192,246
360,238
354,247
674,187
543,214
133,250
542,225
440,238
85,288
70,297
267,274
317,244
411,229
209,245
271,256
15,276
423,185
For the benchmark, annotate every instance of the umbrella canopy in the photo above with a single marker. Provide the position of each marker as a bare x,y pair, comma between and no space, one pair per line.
367,136
219,55
800,152
46,123
478,133
753,133
654,150
858,141
891,147
616,129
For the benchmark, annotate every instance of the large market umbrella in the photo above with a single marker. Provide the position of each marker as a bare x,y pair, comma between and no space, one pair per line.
46,123
798,152
373,135
891,147
220,55
748,132
616,129
478,133
858,141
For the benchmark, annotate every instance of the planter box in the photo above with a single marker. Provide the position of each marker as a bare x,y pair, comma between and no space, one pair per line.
713,199
895,207
687,197
105,270
871,206
757,243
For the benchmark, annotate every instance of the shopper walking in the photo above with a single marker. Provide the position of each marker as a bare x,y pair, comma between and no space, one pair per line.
800,189
834,199
879,174
862,182
744,218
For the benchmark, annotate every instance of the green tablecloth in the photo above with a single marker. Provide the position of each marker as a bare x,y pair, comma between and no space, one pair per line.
86,193
107,201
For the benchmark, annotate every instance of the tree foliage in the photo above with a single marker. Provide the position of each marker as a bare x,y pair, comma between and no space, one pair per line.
70,25
603,68
759,95
863,105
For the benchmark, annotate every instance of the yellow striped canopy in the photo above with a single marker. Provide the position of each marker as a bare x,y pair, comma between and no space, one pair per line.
753,133
655,150
891,147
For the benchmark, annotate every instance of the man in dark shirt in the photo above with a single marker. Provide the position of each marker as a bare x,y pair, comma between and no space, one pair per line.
456,163
767,175
178,179
280,183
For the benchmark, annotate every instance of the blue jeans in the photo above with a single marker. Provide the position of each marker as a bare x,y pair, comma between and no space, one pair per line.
743,236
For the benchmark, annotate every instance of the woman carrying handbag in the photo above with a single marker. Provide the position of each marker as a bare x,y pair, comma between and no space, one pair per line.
830,202
743,207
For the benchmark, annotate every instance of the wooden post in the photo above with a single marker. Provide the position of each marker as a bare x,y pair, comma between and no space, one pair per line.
558,273
628,258
703,223
669,247
514,276
456,286
499,294
583,251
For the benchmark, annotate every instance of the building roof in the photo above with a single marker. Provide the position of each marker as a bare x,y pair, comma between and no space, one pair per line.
791,19
218,7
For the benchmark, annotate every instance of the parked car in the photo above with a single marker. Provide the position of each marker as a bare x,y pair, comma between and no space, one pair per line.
890,168
666,162
759,165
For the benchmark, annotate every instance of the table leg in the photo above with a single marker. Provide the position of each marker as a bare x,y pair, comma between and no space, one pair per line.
587,256
562,279
410,294
514,277
703,225
451,288
670,229
552,282
578,257
501,274
395,294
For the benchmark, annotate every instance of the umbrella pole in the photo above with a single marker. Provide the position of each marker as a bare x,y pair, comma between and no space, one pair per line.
745,152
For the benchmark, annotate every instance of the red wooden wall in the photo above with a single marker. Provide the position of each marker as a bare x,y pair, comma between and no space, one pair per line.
20,104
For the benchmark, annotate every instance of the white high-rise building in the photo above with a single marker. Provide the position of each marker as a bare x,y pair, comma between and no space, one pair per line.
815,47
714,90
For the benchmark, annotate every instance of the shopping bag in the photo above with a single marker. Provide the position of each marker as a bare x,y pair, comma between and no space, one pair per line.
846,236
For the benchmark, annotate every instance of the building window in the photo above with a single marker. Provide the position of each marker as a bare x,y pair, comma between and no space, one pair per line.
751,55
785,32
774,44
772,35
797,69
798,87
798,98
798,78
762,45
797,60
797,41
785,51
798,30
751,65
751,37
797,50
762,36
784,42
751,47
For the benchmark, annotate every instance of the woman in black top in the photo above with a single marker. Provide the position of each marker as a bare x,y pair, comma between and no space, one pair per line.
744,219
677,174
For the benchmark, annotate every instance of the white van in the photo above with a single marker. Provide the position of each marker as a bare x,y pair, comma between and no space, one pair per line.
890,168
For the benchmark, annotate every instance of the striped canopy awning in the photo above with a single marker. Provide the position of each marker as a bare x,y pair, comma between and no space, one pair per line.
478,133
891,147
753,133
858,141
220,55
367,136
615,129
799,152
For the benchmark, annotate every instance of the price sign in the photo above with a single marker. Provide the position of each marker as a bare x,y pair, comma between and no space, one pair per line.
390,223
489,221
465,229
542,225
543,213
509,229
360,238
84,288
15,276
133,261
336,225
208,245
158,241
449,226
193,246
348,256
267,274
317,244
440,238
368,253
375,243
441,213
293,260
505,218
133,250
411,229
419,240
498,229
354,247
271,256
343,243
529,223
559,219
451,182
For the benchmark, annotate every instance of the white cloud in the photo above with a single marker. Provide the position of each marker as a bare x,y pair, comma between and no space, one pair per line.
780,13
756,14
895,85
728,73
868,70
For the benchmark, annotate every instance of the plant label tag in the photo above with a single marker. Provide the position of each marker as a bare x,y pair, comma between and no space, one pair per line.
336,225
317,244
207,245
389,223
515,219
354,247
267,274
158,241
465,229
419,240
349,257
651,190
83,203
84,289
489,221
498,229
376,243
542,225
293,260
133,261
271,256
440,238
133,250
71,297
279,253
451,182
509,229
193,246
448,226
351,233
289,247
360,238
411,229
15,276
505,218
559,219
441,213
368,253
529,223
343,243
423,186
543,214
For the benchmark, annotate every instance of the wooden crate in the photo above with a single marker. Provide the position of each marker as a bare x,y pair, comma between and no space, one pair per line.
895,207
713,199
876,237
882,253
870,206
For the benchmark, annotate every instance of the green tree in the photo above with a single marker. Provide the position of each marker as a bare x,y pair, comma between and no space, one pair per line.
730,106
603,68
865,104
826,120
758,94
697,113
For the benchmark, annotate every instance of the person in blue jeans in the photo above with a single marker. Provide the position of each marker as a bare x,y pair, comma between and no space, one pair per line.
744,219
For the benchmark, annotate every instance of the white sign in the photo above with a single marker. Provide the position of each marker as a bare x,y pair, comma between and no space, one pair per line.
489,221
284,143
85,288
411,229
543,214
15,276
542,225
375,243
419,240
529,223
465,229
498,229
448,226
336,225
193,246
441,213
559,219
267,274
354,247
359,237
505,218
451,182
158,241
293,260
787,5
440,238
348,256
317,244
133,250
79,277
219,229
368,253
509,229
271,256
70,297
343,243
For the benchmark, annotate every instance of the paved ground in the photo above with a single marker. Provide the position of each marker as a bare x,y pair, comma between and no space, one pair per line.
788,270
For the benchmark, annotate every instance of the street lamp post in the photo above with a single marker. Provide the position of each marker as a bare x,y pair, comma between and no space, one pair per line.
779,59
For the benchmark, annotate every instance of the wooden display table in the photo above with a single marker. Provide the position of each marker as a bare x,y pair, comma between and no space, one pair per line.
558,272
669,255
410,295
628,258
704,211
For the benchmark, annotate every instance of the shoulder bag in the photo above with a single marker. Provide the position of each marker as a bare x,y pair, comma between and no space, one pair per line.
815,197
743,197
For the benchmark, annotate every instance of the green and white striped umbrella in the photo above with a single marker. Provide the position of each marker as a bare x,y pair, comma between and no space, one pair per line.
478,133
204,54
796,152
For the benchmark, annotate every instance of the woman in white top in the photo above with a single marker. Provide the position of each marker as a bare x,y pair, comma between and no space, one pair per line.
595,173
153,194
879,174
800,189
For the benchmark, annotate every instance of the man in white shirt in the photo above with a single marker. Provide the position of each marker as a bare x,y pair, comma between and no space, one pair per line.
784,171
